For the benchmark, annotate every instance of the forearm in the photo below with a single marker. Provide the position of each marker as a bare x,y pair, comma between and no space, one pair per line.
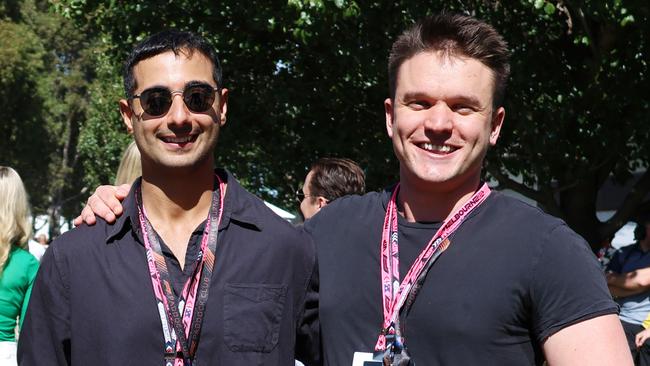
621,292
631,283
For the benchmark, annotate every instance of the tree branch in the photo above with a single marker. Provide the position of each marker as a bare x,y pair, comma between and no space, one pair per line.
600,174
577,10
509,183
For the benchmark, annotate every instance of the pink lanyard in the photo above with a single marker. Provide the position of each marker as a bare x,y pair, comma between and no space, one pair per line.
181,340
394,293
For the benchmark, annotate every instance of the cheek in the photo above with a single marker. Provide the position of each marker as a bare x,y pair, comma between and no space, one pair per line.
473,130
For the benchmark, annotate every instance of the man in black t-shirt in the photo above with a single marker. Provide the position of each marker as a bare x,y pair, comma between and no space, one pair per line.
514,286
502,283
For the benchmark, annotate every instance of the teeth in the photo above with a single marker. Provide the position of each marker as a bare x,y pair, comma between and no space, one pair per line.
178,140
438,148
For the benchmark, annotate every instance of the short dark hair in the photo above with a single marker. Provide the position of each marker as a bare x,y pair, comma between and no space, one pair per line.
336,177
453,34
170,40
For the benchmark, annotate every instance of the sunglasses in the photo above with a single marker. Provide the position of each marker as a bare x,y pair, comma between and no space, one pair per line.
156,101
300,195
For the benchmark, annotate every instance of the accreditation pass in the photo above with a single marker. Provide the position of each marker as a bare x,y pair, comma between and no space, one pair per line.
365,359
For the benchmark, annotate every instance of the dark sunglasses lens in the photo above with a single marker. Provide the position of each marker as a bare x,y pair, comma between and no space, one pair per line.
156,102
199,98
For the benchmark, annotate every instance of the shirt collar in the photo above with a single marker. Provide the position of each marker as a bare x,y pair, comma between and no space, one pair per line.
239,204
238,207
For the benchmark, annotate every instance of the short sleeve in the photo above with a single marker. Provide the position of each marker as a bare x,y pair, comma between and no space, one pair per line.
568,285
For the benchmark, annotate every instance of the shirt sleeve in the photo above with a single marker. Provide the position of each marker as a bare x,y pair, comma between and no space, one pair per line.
31,270
567,286
45,337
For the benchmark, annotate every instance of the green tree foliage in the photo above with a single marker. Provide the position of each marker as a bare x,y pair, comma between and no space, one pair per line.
578,107
25,136
46,67
308,77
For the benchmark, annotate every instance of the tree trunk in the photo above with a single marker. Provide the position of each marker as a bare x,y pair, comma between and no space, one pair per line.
578,203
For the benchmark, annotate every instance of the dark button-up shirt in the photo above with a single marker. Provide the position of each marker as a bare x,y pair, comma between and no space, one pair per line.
93,301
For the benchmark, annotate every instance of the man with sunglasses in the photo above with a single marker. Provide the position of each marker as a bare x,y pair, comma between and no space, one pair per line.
197,271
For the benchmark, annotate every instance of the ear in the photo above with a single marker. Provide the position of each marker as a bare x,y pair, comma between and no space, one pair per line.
390,116
497,121
127,114
321,201
223,106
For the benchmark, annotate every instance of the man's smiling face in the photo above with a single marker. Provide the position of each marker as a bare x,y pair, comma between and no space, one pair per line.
441,120
179,137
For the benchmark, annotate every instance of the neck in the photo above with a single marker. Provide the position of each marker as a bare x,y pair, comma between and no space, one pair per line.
426,204
181,198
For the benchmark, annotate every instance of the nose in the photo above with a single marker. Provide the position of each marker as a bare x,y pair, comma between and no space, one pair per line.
178,113
439,118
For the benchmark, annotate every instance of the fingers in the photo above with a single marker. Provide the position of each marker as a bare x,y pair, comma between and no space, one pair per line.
122,191
641,338
87,214
107,204
77,221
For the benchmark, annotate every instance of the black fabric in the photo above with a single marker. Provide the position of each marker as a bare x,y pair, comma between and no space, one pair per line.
640,355
639,231
512,277
93,302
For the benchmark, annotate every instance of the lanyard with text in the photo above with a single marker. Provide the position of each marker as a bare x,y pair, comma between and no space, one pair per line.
395,294
181,340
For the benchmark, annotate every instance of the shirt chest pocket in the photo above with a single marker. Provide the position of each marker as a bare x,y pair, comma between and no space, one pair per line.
252,314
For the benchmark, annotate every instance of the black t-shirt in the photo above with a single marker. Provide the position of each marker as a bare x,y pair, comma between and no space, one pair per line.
512,277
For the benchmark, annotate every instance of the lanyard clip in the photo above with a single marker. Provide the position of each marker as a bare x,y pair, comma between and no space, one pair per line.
395,353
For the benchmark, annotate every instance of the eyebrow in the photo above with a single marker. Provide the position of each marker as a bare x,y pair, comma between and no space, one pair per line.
469,99
189,83
198,82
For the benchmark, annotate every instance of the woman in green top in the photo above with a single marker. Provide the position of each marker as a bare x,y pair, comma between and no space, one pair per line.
17,267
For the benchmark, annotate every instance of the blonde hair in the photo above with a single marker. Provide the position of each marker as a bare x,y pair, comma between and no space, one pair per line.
15,226
130,166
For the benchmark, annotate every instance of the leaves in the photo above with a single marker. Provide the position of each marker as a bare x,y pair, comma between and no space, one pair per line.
307,79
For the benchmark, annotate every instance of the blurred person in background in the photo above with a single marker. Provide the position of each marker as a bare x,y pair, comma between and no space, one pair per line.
17,266
327,180
38,246
130,166
628,279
